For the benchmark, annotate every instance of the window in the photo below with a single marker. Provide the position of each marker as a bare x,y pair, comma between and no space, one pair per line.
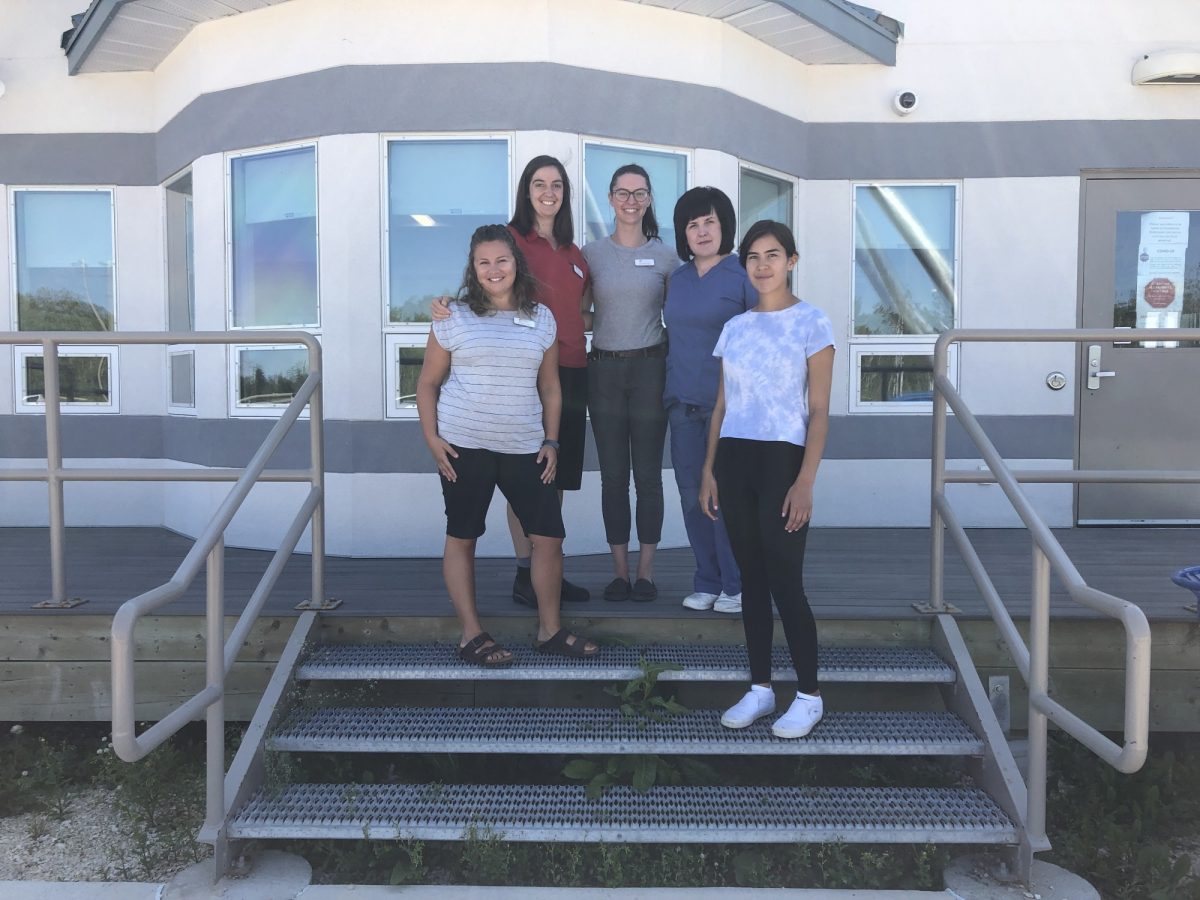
904,292
405,354
181,260
87,379
273,239
763,196
668,172
181,380
63,242
265,378
438,192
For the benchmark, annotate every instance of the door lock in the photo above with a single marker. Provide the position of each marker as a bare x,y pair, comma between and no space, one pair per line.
1093,371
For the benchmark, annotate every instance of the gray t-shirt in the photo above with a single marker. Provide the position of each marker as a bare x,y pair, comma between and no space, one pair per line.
490,400
629,285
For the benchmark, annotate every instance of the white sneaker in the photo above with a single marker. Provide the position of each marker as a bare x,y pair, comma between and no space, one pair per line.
727,603
802,715
700,600
757,702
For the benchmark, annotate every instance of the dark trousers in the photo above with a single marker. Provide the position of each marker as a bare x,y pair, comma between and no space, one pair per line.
716,570
753,477
630,427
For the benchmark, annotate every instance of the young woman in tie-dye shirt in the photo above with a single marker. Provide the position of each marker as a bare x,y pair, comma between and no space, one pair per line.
765,443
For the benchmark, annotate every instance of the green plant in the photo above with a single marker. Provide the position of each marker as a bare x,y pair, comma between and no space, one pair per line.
486,857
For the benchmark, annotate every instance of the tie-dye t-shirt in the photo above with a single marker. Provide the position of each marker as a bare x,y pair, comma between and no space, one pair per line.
764,358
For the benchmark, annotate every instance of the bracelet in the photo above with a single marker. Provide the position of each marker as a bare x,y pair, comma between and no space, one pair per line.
550,443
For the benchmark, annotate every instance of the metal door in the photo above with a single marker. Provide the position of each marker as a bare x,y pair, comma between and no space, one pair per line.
1139,404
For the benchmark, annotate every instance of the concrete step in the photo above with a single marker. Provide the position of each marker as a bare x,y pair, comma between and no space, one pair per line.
699,662
663,814
548,729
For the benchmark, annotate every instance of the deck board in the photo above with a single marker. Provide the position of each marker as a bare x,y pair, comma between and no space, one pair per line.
851,573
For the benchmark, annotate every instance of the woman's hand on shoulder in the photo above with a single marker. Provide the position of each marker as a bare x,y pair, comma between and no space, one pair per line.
797,506
709,502
439,308
443,452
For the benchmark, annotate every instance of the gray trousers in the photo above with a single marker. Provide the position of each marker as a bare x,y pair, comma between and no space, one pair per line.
630,427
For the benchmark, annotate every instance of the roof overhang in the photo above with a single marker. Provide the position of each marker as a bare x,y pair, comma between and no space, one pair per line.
828,32
136,35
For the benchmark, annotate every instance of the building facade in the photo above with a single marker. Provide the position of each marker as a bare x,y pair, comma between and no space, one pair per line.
319,165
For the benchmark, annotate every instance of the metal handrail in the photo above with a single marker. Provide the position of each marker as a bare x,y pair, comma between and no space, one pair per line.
1032,661
207,551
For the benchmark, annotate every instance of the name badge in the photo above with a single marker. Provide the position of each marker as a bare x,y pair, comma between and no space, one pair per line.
578,271
521,320
643,262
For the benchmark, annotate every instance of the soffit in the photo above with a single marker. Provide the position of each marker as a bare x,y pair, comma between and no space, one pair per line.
819,32
136,35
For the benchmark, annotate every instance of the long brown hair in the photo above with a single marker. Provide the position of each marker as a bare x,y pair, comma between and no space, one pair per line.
471,292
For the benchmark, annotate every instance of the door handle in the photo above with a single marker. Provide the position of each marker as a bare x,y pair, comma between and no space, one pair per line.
1093,371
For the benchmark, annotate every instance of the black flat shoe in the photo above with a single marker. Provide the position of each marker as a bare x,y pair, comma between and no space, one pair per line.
522,592
644,591
573,593
618,589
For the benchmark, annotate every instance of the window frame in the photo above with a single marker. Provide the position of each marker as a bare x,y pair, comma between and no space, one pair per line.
23,352
393,342
229,157
385,257
191,274
859,345
689,175
775,174
237,410
13,190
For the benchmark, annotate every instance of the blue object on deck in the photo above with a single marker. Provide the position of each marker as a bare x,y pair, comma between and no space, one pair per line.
1189,577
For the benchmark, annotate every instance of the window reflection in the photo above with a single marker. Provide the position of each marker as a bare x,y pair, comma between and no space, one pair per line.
408,369
894,378
183,379
181,268
439,192
904,253
64,256
81,379
668,178
270,376
275,238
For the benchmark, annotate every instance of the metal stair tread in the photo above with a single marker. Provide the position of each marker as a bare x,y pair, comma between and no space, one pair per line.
700,662
663,814
547,729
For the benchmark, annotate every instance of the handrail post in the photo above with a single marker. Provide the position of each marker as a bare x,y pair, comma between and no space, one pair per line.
54,481
937,483
215,677
1039,680
316,422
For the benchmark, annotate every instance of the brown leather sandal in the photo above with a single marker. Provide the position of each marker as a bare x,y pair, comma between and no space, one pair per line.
481,650
558,644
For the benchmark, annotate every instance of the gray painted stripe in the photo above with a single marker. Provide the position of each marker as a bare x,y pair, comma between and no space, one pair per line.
397,446
473,97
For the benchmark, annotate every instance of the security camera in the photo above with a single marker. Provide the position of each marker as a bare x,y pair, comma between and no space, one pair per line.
904,102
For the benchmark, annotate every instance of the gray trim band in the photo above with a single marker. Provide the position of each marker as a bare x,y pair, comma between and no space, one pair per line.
473,97
397,446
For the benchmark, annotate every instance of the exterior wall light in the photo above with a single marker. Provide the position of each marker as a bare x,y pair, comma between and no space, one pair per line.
1168,67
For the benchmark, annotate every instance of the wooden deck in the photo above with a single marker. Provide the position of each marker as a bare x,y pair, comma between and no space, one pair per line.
851,573
54,664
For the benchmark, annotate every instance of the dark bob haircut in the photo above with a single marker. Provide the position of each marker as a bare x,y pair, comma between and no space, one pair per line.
649,222
767,228
472,293
701,201
525,219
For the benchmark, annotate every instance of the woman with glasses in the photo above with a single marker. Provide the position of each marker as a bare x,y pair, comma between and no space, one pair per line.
627,375
545,234
703,294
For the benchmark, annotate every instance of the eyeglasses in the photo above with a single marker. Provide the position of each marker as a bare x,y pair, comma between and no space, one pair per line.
641,195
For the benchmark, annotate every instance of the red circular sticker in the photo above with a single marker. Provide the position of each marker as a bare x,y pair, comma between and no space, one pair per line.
1159,293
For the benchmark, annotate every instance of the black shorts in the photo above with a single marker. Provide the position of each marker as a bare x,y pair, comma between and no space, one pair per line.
519,477
572,428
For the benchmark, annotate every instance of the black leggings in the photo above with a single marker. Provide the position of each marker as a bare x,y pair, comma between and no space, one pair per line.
753,477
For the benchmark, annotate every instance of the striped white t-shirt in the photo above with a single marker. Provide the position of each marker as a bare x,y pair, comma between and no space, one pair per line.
490,400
